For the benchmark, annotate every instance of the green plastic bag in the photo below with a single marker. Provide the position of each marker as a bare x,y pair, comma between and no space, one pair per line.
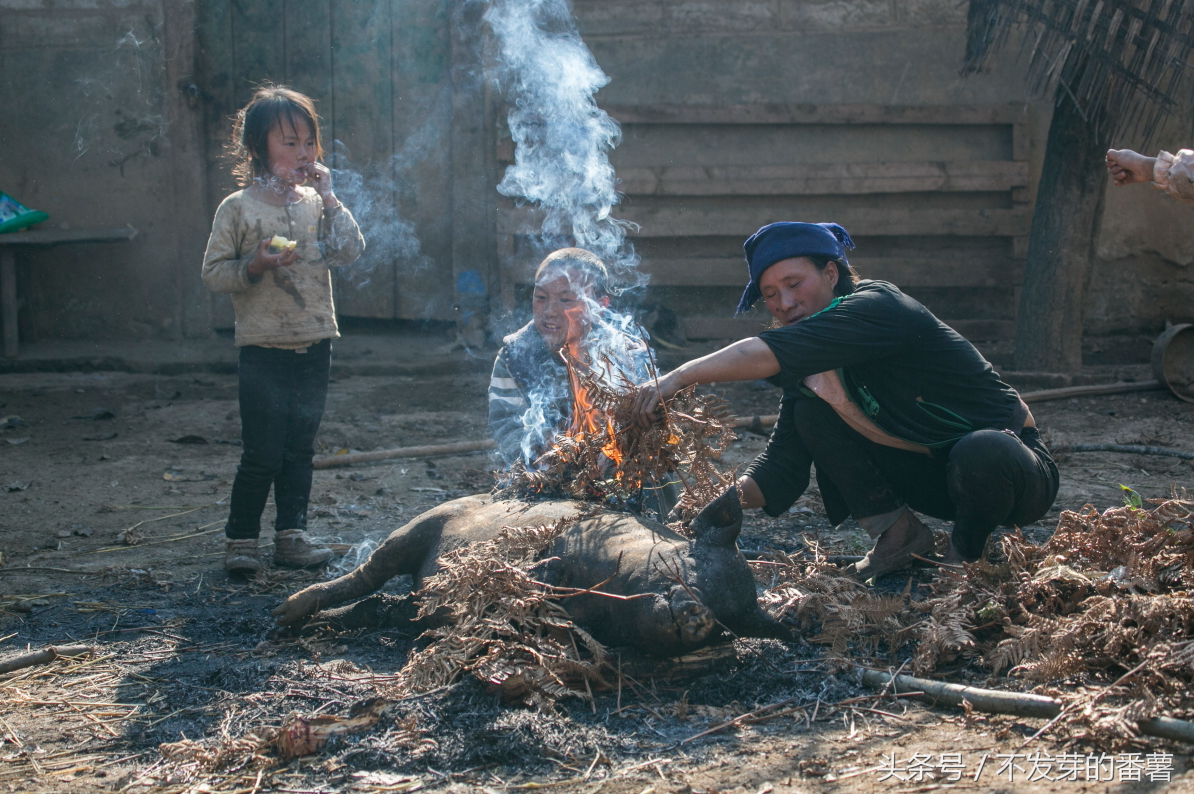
15,216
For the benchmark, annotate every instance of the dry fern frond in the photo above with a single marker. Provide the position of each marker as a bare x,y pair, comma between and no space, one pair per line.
611,457
505,628
809,592
1109,592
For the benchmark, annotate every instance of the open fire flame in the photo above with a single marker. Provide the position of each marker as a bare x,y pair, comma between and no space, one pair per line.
587,420
604,454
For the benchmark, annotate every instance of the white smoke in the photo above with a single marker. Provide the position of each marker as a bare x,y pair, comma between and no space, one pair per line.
354,558
369,193
562,139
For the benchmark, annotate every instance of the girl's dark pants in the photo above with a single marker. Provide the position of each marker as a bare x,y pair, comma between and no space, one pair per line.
989,478
282,396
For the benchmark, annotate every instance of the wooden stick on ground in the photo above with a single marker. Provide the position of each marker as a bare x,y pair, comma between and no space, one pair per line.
47,654
1127,449
992,701
427,451
1093,390
50,570
755,424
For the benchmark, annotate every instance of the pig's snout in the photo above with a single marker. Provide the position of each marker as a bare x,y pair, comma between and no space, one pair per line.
694,620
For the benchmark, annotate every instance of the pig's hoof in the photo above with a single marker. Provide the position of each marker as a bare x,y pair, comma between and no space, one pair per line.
695,622
299,606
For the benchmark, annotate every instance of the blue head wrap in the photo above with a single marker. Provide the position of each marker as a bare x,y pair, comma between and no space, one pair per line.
785,240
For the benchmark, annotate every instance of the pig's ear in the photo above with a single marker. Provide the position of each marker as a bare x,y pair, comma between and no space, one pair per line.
721,520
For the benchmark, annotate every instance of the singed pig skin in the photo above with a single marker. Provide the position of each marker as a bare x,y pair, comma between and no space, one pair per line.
694,587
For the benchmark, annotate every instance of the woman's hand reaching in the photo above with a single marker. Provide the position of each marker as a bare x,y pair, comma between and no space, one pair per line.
748,359
1128,167
648,400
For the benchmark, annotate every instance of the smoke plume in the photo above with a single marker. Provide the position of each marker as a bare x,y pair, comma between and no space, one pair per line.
369,193
562,139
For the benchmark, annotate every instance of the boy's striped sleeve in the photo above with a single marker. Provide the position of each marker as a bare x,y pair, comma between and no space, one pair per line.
506,407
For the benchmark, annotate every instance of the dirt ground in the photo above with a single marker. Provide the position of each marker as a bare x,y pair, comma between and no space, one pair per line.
186,652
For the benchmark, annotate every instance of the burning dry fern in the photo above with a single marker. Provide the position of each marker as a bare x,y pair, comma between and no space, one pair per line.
607,455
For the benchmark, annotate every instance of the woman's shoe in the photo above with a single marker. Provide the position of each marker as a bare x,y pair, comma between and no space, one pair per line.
240,556
292,549
895,547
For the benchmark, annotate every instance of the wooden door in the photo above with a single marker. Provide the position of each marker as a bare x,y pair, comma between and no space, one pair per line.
378,71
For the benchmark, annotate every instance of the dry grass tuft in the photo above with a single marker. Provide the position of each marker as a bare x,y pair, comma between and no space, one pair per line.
1101,616
810,593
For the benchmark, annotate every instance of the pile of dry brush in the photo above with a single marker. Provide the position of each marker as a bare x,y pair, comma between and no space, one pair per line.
513,632
616,458
504,627
1107,600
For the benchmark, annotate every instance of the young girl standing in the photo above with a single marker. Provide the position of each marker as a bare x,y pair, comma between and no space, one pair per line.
285,319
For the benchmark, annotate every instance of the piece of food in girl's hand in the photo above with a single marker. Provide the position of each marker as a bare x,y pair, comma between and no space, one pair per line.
278,244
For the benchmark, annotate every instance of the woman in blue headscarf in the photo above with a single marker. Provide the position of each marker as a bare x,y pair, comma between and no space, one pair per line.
898,412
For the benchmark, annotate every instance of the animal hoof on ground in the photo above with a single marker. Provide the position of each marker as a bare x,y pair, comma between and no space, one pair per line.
298,607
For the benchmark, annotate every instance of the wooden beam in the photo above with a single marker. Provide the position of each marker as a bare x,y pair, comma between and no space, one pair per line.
913,271
723,327
1021,139
817,114
741,222
743,327
984,330
832,179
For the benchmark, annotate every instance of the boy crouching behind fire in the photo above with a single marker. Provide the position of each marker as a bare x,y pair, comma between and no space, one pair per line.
531,402
271,246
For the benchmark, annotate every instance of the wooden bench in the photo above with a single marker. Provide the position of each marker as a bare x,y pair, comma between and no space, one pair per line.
48,238
883,198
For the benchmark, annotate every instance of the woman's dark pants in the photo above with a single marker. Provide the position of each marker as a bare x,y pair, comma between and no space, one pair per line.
989,478
282,396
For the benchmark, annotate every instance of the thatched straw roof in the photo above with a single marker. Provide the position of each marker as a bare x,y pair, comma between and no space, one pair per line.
1125,63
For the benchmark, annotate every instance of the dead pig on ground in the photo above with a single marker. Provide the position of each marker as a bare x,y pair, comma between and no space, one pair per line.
696,589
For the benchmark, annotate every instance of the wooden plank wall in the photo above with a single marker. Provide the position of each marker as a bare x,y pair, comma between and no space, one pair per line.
936,197
378,70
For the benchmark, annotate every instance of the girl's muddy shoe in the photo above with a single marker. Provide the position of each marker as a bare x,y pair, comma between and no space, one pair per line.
240,556
293,550
895,547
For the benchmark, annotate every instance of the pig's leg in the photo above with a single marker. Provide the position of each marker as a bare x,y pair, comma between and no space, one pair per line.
378,611
403,552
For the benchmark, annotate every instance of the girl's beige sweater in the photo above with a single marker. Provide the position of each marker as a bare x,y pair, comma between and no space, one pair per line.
291,305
